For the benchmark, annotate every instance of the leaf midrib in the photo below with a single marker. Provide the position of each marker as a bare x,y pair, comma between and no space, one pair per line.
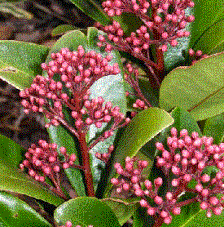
205,99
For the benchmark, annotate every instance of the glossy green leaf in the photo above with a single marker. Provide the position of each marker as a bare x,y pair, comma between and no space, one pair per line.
14,212
192,216
7,7
59,134
184,120
207,13
20,62
71,40
14,181
214,127
61,29
143,127
129,22
198,88
86,211
92,9
142,219
186,217
10,151
212,40
123,209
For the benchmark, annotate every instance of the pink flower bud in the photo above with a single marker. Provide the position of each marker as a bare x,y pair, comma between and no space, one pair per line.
151,211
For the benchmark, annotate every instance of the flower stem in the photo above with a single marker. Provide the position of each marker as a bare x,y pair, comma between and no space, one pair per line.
86,164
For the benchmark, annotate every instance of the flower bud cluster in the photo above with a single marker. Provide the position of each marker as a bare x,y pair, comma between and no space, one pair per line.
139,104
131,175
43,161
195,56
166,23
132,181
185,160
78,70
69,224
96,112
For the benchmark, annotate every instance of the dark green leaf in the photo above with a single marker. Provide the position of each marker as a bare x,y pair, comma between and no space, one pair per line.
207,13
184,120
86,211
198,88
192,216
14,181
92,9
214,127
212,40
20,62
123,209
10,151
187,216
16,213
142,219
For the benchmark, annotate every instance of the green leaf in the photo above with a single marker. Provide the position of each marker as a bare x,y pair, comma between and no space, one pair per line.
207,13
59,134
14,212
86,211
14,181
212,40
214,127
61,29
123,209
186,217
15,11
11,151
93,10
192,216
141,218
71,40
198,88
20,62
184,120
149,93
143,127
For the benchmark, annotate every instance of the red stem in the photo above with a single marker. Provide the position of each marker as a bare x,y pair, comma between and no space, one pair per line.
186,202
86,164
158,222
